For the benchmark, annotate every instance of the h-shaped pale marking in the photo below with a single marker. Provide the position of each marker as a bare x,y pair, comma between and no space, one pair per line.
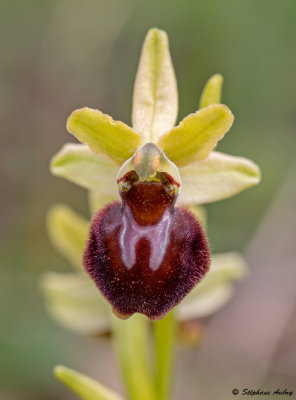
157,235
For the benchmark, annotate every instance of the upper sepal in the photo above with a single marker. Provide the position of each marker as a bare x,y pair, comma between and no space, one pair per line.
155,100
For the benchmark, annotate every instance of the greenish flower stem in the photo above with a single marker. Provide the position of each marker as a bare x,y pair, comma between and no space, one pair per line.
164,339
132,350
131,338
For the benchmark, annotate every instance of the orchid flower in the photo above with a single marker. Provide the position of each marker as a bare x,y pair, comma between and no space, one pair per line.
146,246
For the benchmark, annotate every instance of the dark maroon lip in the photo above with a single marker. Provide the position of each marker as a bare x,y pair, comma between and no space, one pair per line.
145,254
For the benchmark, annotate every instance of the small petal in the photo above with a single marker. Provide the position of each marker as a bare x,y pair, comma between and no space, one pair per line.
73,300
211,93
80,165
155,101
144,255
196,136
86,388
104,135
68,233
217,177
216,289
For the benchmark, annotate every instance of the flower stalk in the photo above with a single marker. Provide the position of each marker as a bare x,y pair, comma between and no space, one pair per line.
131,340
164,332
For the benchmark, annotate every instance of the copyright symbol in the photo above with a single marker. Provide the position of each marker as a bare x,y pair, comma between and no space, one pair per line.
235,391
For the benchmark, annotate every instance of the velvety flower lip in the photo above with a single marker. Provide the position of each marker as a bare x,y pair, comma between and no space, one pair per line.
146,253
150,270
72,298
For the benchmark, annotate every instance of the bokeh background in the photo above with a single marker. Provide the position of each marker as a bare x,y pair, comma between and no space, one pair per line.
60,55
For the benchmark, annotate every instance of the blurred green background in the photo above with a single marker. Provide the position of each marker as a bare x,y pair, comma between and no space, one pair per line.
60,55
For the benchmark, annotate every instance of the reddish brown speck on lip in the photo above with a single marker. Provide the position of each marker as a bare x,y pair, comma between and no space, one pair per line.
144,254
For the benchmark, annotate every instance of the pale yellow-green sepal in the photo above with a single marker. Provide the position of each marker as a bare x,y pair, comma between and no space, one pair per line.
205,304
155,100
196,136
68,232
80,165
215,289
104,135
75,303
224,268
211,93
217,177
82,385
